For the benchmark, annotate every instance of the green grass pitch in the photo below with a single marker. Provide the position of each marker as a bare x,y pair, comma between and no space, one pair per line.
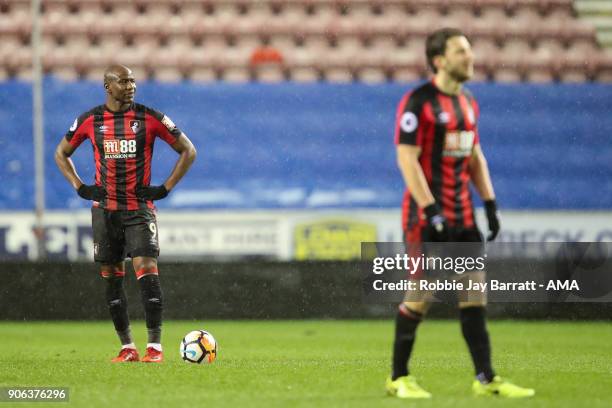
307,363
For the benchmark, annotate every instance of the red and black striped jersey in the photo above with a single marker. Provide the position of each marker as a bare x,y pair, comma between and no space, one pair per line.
123,149
445,127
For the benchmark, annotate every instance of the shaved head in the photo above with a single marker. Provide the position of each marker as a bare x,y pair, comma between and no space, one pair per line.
114,72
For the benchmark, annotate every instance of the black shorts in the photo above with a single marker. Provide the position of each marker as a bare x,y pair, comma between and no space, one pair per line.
469,242
455,234
464,234
121,234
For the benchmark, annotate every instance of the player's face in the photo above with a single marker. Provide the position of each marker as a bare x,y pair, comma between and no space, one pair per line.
458,59
123,89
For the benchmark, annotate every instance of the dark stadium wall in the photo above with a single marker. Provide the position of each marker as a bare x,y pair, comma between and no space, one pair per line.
244,290
263,141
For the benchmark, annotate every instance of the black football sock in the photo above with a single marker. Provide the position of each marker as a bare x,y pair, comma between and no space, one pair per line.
150,289
473,326
154,335
405,333
125,336
117,306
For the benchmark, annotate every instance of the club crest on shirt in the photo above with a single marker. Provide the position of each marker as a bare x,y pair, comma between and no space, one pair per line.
134,125
443,117
168,123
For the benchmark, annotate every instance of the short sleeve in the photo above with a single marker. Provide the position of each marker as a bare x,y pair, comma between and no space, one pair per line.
78,132
407,121
167,130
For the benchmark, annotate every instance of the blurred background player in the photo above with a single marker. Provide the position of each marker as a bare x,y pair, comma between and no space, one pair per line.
124,224
438,152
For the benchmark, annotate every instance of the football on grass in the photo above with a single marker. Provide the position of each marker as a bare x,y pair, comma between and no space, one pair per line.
199,347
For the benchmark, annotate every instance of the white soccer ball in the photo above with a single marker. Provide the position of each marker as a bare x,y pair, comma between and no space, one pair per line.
198,346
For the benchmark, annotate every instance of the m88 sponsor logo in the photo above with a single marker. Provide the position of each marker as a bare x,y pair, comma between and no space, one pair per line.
459,143
119,149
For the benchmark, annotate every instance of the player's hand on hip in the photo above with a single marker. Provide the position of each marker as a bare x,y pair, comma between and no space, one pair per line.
91,192
437,227
152,192
492,218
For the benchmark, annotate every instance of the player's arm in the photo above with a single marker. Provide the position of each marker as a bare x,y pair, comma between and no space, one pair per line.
414,177
408,162
479,174
408,140
62,158
187,154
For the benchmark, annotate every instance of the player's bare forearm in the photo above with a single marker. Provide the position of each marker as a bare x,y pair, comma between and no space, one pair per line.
187,154
479,174
408,162
62,159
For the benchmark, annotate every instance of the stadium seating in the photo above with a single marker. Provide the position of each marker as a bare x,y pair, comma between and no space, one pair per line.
336,40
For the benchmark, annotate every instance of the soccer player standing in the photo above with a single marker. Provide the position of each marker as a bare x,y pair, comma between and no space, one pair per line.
438,153
122,134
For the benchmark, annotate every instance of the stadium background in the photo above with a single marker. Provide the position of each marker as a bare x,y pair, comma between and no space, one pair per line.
291,105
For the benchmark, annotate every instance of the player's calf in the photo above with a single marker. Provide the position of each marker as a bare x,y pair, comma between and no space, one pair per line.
406,323
116,301
152,300
473,326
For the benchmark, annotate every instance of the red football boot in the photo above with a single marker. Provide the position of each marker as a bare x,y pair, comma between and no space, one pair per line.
153,356
126,355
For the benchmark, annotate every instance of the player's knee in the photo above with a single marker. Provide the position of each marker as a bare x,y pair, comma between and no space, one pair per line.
146,267
110,272
146,271
414,310
479,303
